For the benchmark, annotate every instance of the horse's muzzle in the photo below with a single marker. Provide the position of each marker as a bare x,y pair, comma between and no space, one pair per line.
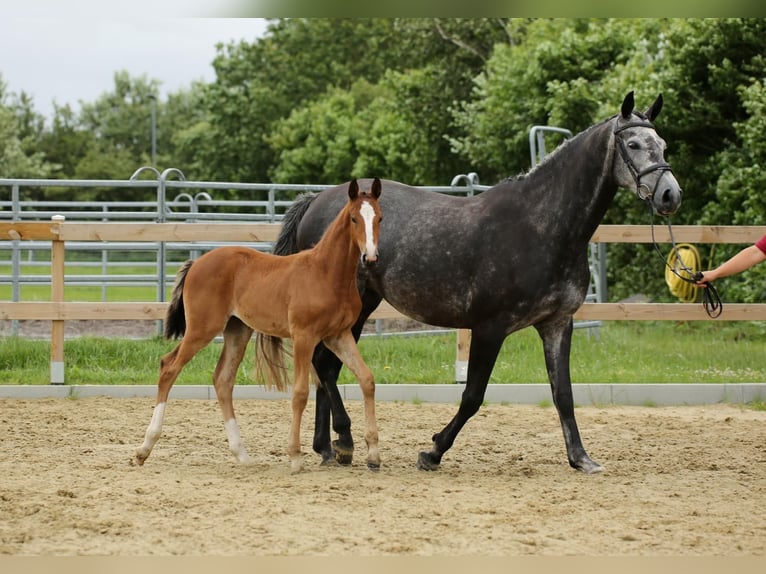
369,261
667,194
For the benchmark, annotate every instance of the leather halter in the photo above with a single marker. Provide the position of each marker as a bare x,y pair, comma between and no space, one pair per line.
634,171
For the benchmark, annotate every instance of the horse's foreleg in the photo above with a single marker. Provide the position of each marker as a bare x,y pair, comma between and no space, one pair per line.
302,351
235,339
344,346
557,342
481,360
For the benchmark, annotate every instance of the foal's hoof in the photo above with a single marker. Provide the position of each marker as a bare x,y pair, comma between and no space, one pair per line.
426,462
343,455
373,466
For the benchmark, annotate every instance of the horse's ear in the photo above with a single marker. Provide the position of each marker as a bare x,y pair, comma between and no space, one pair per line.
353,189
654,110
627,106
376,188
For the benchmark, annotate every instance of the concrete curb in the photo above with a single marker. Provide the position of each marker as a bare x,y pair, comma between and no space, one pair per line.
584,394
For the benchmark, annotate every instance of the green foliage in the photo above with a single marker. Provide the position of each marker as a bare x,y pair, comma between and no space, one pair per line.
421,100
317,143
550,74
19,127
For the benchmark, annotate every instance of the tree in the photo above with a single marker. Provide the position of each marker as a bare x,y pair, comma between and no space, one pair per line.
550,74
19,129
302,60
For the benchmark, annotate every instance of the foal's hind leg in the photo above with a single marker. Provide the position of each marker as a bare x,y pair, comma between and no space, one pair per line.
236,336
344,346
170,367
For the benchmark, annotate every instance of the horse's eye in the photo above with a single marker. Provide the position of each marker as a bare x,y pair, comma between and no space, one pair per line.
353,219
633,145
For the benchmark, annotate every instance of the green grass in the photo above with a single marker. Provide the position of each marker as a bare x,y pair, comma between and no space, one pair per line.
623,352
75,292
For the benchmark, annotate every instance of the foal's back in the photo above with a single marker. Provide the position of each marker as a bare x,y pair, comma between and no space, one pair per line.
242,282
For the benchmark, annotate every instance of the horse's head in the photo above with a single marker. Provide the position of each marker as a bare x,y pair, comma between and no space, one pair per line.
365,216
640,164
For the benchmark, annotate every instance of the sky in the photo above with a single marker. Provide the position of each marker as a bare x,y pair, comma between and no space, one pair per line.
64,56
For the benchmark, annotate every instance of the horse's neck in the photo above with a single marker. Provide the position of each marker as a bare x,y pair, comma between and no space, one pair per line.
575,186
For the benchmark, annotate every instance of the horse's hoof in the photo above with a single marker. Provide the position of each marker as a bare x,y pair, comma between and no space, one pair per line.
373,466
343,455
343,458
590,467
426,463
328,461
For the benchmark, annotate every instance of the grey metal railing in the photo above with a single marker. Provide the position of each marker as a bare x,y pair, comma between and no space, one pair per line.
193,201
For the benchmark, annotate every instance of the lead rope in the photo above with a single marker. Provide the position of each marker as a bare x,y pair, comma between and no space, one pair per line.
711,300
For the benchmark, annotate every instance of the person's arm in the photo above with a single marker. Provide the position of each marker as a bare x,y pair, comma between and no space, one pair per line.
743,260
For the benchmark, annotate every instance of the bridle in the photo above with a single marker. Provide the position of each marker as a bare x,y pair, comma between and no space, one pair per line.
710,298
634,171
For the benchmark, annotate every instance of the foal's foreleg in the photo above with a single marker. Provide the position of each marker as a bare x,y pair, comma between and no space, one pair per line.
344,346
303,348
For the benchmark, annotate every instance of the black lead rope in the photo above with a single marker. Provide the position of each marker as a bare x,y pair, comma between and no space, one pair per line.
711,300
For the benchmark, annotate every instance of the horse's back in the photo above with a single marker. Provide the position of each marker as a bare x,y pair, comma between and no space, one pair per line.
398,204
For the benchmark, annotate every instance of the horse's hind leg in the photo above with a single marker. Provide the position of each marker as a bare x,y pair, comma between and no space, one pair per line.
344,346
557,339
170,367
328,401
236,336
328,366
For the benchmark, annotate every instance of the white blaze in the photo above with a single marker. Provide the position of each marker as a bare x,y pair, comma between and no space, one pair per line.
368,214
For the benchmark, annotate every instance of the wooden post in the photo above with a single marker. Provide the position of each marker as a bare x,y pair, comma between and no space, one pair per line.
461,360
57,296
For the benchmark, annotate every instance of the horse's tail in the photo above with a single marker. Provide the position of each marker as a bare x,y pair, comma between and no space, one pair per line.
175,318
270,361
270,351
287,242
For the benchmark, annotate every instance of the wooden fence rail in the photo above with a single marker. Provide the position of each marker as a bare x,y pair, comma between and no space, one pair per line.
58,311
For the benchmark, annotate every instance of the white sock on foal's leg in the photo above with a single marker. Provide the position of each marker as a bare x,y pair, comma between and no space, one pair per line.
153,433
235,441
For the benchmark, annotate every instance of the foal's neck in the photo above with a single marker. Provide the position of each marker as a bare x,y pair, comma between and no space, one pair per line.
337,250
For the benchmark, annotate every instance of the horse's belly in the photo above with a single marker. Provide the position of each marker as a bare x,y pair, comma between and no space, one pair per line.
446,310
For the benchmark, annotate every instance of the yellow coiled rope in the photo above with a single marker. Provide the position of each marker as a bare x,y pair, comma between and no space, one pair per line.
685,260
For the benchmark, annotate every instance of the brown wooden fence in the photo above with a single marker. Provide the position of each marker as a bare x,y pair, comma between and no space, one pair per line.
58,310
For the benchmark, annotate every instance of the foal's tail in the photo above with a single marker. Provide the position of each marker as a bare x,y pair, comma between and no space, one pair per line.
175,319
270,351
270,367
287,242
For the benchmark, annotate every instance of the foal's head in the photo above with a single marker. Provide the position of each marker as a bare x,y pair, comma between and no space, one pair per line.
365,217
